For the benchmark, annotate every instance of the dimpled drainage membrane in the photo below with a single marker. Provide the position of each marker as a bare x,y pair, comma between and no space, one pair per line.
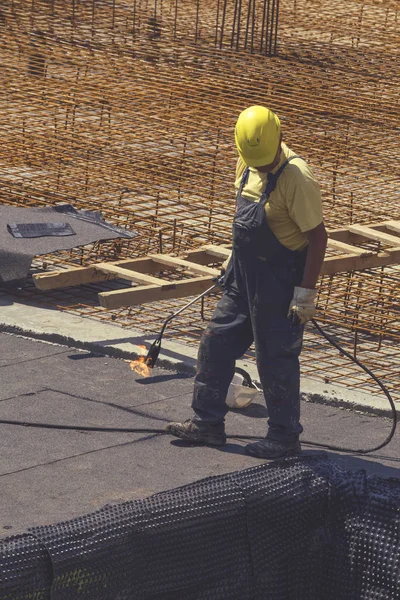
298,529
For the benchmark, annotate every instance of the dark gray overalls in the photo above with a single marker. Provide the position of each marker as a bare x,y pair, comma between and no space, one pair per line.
259,284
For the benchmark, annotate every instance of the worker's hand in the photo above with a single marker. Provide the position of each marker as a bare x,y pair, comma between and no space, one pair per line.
302,307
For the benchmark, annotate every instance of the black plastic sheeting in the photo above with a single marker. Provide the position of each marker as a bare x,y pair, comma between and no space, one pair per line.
16,253
298,529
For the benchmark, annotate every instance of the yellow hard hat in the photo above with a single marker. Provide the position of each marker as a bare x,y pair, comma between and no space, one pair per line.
257,136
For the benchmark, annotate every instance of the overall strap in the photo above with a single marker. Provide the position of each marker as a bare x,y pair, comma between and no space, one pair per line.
243,181
272,180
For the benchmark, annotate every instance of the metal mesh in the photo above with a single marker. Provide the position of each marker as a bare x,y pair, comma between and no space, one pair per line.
298,529
128,106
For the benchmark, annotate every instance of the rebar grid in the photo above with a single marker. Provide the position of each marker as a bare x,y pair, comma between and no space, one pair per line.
129,107
148,137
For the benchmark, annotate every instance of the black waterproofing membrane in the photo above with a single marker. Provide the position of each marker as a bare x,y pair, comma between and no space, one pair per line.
29,232
297,529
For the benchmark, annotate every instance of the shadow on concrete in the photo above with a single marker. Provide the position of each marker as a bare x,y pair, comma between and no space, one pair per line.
82,356
6,299
229,448
255,411
161,378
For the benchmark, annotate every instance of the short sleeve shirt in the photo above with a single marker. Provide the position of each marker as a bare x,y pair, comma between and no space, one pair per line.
295,205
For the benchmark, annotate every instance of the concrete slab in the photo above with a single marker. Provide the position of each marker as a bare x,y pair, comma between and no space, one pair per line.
112,340
24,449
49,476
17,351
93,381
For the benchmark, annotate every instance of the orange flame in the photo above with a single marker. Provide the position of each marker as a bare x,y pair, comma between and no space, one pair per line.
139,365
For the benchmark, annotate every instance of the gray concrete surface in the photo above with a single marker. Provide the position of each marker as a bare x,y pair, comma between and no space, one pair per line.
50,475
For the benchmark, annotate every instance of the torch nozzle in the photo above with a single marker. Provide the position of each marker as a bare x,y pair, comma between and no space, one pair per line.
153,353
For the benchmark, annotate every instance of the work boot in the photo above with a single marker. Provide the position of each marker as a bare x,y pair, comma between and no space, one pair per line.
271,449
208,434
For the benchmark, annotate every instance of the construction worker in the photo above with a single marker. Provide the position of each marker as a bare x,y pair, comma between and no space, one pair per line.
278,247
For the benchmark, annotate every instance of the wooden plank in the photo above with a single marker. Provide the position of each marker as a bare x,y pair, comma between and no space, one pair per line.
344,234
172,261
139,269
69,277
392,250
337,245
128,274
349,262
84,275
200,257
153,293
196,286
219,252
391,225
373,234
207,254
141,265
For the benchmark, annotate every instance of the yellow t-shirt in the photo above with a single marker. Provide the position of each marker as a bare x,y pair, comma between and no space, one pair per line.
295,205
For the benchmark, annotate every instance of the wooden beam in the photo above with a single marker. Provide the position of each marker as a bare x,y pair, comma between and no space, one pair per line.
392,251
336,245
141,265
172,261
391,225
349,262
128,274
207,254
219,252
139,269
374,234
68,277
91,274
153,293
344,234
200,257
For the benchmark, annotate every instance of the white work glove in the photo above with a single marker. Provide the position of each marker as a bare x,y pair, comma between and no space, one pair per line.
302,307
